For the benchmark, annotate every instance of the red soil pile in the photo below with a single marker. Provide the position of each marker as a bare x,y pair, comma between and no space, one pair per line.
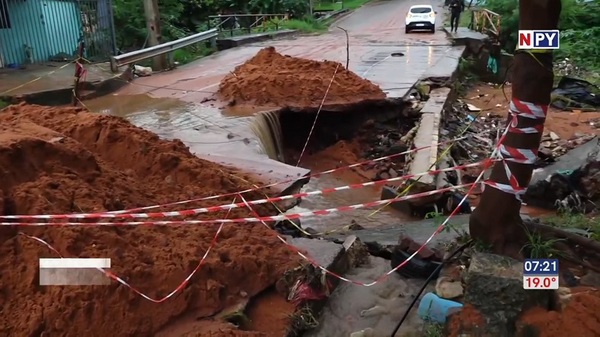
62,160
272,79
580,317
467,321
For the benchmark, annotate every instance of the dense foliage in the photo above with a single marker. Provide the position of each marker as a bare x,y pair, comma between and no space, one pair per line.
183,17
579,25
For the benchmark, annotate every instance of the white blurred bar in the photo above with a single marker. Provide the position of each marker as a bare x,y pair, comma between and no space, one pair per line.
73,271
74,263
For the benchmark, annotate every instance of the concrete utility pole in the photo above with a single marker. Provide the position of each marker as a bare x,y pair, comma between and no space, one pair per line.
154,34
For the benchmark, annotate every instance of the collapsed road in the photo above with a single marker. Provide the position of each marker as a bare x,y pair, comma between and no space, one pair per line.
376,31
181,108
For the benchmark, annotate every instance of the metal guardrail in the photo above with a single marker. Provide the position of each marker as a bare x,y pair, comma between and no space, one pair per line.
163,48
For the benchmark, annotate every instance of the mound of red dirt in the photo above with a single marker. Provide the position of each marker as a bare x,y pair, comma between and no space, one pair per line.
64,160
270,78
580,317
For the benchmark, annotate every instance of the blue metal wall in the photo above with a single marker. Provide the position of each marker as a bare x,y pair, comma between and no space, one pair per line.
62,23
46,28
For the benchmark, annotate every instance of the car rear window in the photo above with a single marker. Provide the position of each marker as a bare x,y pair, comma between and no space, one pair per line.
420,10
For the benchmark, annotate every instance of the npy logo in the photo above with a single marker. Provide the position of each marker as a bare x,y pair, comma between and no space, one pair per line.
539,39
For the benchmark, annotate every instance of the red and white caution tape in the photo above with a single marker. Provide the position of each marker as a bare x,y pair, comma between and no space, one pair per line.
506,153
123,282
383,277
522,156
314,175
112,276
225,207
322,212
528,110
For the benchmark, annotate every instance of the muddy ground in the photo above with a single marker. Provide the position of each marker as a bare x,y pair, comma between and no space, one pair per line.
493,99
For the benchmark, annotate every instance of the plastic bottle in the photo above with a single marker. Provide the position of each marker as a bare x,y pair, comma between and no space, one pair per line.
436,309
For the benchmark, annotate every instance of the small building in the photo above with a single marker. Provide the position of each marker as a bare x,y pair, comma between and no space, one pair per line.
38,31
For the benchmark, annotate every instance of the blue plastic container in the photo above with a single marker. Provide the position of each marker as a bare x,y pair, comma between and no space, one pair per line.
435,309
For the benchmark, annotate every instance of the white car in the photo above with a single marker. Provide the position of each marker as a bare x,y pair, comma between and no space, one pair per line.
420,17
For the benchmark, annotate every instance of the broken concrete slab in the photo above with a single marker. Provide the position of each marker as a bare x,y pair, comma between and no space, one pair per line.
572,160
325,253
428,134
376,310
494,287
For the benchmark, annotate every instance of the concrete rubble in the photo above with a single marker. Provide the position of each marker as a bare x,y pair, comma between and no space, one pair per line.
571,183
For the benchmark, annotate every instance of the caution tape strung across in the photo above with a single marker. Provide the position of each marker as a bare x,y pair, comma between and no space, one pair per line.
314,175
321,212
383,277
197,211
113,276
312,261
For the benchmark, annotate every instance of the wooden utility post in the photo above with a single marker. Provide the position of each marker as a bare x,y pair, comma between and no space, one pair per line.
154,34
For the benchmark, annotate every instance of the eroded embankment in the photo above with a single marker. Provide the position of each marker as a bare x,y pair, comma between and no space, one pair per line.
63,160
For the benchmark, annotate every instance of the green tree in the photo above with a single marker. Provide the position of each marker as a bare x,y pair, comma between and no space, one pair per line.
183,17
579,25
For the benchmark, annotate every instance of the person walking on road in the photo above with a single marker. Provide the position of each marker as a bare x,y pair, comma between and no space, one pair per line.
456,7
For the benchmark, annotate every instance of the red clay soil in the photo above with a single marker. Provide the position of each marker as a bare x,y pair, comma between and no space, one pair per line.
61,160
581,317
272,79
467,321
270,314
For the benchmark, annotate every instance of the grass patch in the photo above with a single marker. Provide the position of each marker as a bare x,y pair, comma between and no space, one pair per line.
539,248
191,53
305,26
433,330
336,6
3,104
576,221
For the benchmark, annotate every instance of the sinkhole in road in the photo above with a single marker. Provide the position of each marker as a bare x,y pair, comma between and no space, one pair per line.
284,133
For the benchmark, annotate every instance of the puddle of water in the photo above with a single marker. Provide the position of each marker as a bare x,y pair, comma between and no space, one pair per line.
203,128
125,105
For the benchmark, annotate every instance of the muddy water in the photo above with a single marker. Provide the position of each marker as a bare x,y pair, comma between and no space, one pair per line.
208,131
202,127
